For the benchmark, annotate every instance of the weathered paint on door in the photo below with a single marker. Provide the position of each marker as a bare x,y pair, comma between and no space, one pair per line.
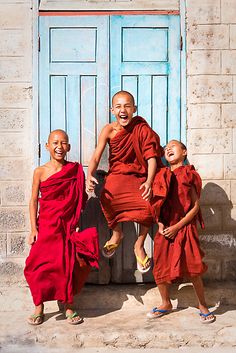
83,61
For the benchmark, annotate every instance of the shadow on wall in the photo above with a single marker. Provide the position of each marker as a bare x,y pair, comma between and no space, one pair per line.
218,240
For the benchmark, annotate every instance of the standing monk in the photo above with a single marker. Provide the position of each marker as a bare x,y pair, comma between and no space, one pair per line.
60,258
133,189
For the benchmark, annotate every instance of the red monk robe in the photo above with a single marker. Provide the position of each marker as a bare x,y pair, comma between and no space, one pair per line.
179,257
121,198
51,270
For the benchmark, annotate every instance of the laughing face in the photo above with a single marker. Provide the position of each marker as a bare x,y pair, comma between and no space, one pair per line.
58,145
123,108
175,152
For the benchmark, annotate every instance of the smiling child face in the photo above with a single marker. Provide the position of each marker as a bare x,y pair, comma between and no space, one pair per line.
175,152
123,108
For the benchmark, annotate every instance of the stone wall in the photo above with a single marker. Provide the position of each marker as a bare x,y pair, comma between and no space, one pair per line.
211,134
16,149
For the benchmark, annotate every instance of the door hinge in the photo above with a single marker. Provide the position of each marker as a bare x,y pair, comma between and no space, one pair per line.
181,43
39,150
38,43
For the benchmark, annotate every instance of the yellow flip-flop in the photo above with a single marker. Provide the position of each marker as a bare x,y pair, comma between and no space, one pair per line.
141,264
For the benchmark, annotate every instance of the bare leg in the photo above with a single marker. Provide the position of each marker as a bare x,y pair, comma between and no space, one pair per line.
116,235
139,244
199,290
166,305
165,296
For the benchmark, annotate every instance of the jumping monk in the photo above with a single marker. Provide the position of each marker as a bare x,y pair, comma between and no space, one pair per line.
136,185
60,258
177,252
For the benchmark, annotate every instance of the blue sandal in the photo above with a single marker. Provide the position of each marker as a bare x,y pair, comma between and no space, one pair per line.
204,320
155,313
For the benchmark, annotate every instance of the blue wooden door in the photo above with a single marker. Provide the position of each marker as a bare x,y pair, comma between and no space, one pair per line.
84,60
73,81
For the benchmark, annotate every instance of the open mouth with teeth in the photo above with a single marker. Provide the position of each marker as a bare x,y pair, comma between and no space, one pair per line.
59,153
124,117
170,154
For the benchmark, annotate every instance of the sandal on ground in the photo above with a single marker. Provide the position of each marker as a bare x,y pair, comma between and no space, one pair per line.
155,313
36,319
204,318
109,250
141,264
74,319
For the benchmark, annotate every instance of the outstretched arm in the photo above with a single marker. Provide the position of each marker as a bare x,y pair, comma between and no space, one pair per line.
147,185
170,232
91,181
33,207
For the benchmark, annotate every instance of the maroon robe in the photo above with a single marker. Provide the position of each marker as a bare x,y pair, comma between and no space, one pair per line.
51,270
182,256
121,198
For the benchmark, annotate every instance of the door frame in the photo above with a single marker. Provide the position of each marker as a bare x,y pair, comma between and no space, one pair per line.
35,76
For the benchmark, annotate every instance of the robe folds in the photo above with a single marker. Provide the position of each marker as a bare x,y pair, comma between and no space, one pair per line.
129,151
182,256
61,258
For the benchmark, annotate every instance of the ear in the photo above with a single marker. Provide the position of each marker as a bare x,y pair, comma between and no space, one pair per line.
46,145
112,110
135,108
68,147
185,153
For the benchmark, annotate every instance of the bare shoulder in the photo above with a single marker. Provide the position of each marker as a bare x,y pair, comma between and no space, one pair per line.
107,130
40,172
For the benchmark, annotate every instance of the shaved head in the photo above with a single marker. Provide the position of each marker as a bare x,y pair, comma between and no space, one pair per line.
58,131
121,93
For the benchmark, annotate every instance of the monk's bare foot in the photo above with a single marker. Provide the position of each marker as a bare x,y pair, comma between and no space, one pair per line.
143,261
206,317
73,317
37,317
112,244
159,311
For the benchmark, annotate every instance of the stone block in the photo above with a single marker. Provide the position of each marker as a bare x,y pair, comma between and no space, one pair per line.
228,269
212,216
15,16
208,37
14,42
233,192
13,219
229,115
230,166
228,62
228,11
204,116
234,140
16,244
12,145
214,271
13,119
15,193
203,62
203,12
234,89
3,245
17,95
9,269
216,192
232,36
217,141
14,169
16,69
209,166
209,89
